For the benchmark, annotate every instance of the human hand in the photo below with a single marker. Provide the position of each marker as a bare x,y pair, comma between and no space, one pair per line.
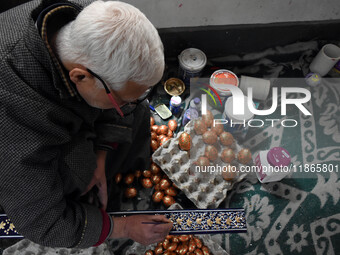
133,228
99,179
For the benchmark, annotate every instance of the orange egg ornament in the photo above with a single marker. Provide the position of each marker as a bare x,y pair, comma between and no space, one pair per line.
162,130
184,141
226,138
217,129
227,155
154,145
152,121
154,128
211,152
130,192
200,127
209,137
244,156
172,124
168,200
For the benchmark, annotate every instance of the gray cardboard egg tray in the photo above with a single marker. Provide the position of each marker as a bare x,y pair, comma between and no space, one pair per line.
205,190
207,240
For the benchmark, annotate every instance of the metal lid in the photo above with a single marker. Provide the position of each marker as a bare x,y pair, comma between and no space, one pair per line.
278,156
192,59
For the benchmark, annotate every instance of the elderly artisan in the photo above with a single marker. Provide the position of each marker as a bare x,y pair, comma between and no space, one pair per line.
72,84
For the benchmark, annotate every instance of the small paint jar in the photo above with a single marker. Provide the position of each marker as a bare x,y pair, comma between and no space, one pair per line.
195,104
218,81
272,165
175,104
189,114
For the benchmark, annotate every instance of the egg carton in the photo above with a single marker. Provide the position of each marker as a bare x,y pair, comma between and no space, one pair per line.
214,248
205,190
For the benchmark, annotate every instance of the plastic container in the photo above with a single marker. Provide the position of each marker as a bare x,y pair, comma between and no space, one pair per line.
218,80
273,164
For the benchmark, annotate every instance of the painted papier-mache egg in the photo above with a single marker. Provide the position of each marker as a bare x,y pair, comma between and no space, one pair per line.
130,192
168,200
209,137
227,155
228,174
244,156
172,124
200,127
226,138
217,129
211,152
184,141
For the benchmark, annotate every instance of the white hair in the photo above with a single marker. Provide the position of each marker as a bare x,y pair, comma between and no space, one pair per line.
115,40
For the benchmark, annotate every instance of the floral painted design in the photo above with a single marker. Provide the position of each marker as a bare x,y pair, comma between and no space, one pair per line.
257,214
297,238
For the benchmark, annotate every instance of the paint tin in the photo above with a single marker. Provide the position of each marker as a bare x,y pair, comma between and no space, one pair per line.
189,114
218,80
191,63
273,164
237,124
175,104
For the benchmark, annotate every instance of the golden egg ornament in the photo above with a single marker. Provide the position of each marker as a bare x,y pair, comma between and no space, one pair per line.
154,128
155,168
164,184
184,141
149,252
170,133
153,136
244,156
138,173
157,196
147,173
200,127
226,138
118,178
171,191
156,179
162,130
172,124
202,161
211,152
154,145
168,200
229,173
160,137
164,140
152,121
217,129
147,183
227,155
129,179
209,137
130,192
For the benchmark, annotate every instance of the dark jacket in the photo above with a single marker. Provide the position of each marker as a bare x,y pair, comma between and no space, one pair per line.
48,139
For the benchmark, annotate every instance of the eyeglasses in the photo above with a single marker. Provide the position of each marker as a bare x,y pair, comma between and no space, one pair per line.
127,108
